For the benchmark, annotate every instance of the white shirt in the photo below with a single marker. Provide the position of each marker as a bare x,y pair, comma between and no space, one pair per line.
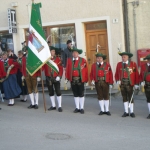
75,58
126,62
148,64
100,63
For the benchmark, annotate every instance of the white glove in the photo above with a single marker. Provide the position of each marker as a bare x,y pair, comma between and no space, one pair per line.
85,84
143,83
118,82
66,81
38,79
110,86
136,87
93,82
57,78
22,78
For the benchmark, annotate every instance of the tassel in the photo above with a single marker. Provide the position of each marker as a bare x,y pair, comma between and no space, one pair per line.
119,88
92,88
142,89
65,87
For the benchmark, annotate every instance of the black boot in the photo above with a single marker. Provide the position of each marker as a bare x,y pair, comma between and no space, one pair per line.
60,109
148,117
125,114
52,108
31,106
36,106
76,110
108,113
101,113
132,115
82,111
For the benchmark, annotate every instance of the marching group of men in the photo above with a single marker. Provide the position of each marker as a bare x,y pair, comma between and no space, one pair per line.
15,80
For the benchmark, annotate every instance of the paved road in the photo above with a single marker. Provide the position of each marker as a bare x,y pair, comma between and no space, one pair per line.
23,129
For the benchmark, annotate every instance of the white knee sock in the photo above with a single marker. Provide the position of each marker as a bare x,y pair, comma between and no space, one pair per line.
36,95
131,108
31,98
81,100
101,103
76,99
9,101
106,103
12,101
148,107
126,107
52,98
59,99
25,97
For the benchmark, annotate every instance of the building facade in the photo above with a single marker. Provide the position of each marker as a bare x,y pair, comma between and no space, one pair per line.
87,23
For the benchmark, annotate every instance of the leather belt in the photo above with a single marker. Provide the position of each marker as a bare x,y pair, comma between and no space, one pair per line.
101,78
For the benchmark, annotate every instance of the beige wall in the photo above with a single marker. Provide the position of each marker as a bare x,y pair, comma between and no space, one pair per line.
142,25
55,12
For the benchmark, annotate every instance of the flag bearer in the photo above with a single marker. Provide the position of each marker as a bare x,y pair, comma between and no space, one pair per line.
53,80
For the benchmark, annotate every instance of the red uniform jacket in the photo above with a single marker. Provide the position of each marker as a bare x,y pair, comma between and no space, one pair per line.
19,64
8,64
130,72
79,69
24,71
2,70
49,71
104,71
144,74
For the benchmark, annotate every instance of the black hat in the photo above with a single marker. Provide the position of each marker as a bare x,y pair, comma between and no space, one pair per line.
69,41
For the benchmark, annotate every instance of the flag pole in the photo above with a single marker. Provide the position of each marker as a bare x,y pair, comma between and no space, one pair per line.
43,92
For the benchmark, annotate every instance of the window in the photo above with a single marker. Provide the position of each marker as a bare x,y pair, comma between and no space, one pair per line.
60,35
6,41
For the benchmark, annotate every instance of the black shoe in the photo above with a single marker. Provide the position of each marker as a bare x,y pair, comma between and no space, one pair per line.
125,114
60,109
0,108
52,108
31,106
108,113
36,106
23,100
82,111
148,117
76,110
132,115
101,113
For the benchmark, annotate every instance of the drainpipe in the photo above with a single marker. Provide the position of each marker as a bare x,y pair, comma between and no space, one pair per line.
135,5
126,26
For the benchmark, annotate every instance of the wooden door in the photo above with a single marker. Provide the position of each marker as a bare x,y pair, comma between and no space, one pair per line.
92,39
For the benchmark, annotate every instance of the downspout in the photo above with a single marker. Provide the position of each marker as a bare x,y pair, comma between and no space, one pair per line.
126,26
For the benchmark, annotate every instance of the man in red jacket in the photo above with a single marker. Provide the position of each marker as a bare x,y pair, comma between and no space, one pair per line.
77,74
145,80
127,77
102,77
53,80
32,82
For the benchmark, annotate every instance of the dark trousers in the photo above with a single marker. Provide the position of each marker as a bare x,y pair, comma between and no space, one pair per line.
126,91
53,84
77,89
102,89
147,93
